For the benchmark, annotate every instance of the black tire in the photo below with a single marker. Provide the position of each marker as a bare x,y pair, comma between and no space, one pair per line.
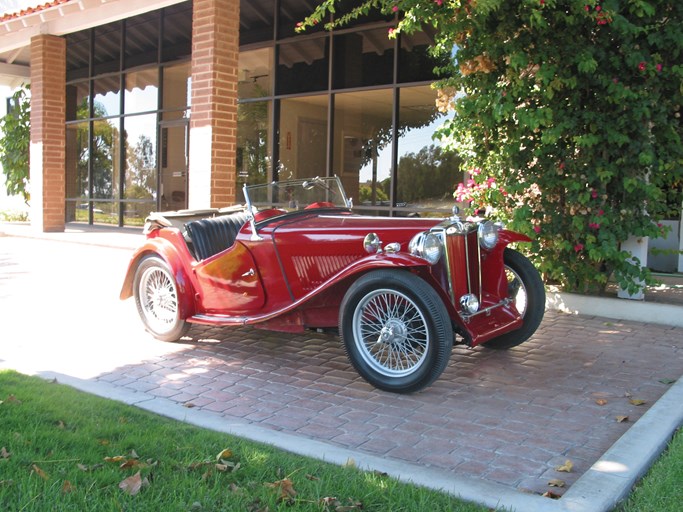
526,288
156,297
396,331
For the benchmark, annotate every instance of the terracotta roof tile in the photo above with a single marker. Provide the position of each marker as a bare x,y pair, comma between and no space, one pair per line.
31,10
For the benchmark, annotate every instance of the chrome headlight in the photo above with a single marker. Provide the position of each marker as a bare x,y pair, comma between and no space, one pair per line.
488,234
426,245
469,303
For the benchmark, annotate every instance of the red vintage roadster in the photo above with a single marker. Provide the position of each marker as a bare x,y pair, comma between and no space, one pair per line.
401,291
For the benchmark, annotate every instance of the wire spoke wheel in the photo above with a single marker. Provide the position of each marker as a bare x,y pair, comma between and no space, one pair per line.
159,298
391,332
396,330
516,290
156,296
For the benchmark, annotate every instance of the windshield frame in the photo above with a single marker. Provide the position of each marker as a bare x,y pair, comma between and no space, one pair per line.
294,195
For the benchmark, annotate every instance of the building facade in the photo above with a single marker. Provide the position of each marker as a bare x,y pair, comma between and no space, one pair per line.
175,105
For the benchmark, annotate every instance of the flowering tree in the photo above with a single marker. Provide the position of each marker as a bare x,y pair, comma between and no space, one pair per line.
566,114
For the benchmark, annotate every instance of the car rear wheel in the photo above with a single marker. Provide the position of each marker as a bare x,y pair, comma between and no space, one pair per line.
396,330
156,297
525,288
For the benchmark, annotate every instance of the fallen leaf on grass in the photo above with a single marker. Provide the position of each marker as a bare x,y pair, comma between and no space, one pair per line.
637,401
67,487
11,399
285,487
312,477
133,484
556,483
115,458
621,419
228,467
224,454
4,453
39,472
567,467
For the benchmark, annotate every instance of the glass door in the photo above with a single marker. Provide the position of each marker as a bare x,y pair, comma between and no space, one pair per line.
173,164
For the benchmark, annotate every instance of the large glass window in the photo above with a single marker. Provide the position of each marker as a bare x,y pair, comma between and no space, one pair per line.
415,64
113,118
426,175
177,87
78,101
140,136
177,33
303,66
363,59
303,137
362,146
107,51
107,101
77,171
255,73
253,143
256,21
141,44
142,91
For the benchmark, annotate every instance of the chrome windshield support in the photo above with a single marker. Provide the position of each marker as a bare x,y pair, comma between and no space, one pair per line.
255,237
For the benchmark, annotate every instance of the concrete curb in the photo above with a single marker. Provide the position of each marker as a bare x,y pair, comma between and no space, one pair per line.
618,309
600,489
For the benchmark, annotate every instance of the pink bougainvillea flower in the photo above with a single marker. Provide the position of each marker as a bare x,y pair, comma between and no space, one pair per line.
594,225
394,8
537,229
601,212
594,193
438,2
578,247
391,31
642,65
598,8
658,67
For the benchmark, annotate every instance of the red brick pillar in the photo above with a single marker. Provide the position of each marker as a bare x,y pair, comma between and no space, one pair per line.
213,118
48,132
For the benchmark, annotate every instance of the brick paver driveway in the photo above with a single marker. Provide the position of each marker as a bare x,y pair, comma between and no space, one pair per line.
509,416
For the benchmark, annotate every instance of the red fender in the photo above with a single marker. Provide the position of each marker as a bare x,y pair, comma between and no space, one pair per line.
160,243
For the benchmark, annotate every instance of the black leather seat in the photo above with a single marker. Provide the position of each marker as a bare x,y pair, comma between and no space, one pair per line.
213,235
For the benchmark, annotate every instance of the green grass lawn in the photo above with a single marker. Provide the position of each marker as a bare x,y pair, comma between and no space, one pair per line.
61,449
662,489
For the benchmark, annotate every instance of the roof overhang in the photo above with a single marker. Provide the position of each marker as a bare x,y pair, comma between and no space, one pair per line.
58,18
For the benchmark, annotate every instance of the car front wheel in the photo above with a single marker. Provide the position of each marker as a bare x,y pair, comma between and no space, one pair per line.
156,297
396,330
525,288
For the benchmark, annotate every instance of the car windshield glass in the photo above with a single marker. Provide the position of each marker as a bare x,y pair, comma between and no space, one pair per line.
294,195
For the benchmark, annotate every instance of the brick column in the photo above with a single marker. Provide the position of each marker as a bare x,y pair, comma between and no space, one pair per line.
213,118
48,132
